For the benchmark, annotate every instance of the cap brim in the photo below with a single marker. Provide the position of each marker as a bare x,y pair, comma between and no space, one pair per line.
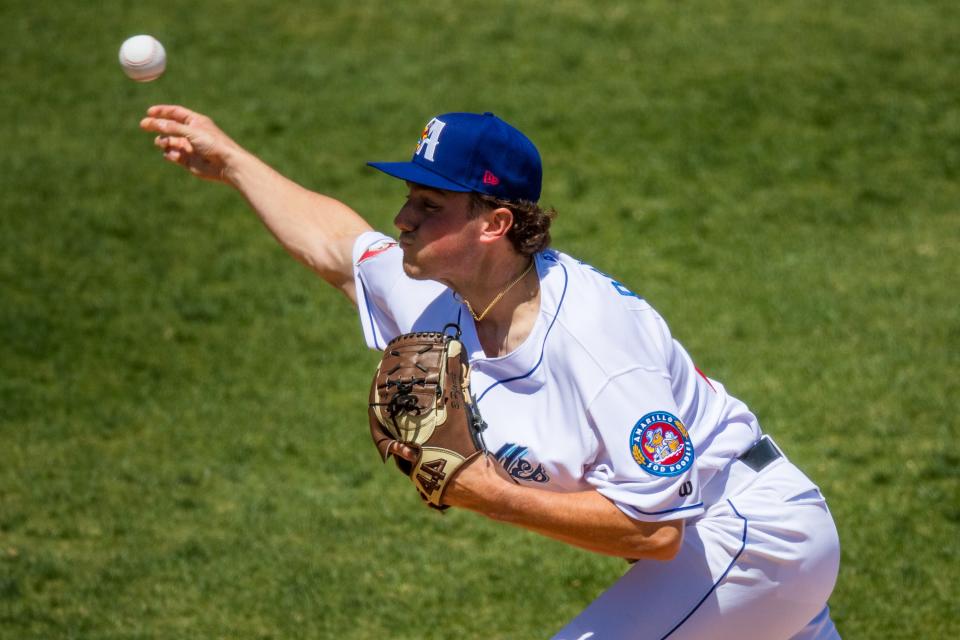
418,174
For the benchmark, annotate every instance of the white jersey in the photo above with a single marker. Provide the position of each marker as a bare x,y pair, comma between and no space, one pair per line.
599,395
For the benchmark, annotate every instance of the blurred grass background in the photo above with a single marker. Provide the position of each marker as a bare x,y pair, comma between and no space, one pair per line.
182,407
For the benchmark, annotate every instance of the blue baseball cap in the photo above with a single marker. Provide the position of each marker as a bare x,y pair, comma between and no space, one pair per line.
472,152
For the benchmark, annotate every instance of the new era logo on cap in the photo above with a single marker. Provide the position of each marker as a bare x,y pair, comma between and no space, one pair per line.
472,152
489,178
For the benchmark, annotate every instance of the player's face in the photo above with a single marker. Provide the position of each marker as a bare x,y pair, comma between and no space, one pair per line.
437,234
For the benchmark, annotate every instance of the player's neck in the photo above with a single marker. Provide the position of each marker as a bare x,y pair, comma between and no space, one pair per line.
507,306
493,283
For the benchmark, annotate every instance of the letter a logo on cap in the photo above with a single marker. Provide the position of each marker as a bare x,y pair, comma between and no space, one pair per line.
430,138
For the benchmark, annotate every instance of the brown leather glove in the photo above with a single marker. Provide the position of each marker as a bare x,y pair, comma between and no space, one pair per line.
421,397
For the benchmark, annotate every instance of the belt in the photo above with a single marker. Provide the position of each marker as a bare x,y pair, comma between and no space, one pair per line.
741,472
761,454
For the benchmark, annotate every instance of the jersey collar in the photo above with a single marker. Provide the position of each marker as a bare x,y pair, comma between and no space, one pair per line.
522,367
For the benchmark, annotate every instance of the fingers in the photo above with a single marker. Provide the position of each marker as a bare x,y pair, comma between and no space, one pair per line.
168,143
171,119
175,149
161,125
171,112
402,451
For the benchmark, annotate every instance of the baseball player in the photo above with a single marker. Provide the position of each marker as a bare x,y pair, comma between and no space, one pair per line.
615,441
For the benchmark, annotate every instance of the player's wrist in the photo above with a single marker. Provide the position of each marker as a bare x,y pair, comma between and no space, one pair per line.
490,493
238,166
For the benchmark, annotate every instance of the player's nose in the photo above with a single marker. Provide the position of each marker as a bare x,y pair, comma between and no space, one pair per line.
403,221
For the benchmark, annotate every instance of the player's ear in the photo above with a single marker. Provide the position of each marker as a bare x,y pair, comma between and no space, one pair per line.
495,224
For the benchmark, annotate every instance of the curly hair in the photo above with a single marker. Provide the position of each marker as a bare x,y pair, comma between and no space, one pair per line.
530,232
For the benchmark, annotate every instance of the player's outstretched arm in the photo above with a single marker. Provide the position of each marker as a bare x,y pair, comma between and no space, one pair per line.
317,230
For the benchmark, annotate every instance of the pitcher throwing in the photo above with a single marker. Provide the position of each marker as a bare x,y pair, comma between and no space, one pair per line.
600,430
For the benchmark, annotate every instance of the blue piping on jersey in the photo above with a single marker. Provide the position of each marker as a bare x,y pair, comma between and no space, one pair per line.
543,347
366,300
657,513
743,545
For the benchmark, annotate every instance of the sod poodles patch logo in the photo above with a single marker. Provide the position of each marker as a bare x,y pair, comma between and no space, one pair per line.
661,445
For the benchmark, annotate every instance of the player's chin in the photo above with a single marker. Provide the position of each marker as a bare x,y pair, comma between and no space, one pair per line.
412,267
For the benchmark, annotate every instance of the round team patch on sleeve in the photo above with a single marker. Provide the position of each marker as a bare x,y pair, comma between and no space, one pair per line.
661,445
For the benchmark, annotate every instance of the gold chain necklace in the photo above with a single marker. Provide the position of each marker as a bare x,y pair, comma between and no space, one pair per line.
483,314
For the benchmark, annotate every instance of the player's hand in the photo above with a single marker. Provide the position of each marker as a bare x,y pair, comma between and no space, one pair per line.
191,140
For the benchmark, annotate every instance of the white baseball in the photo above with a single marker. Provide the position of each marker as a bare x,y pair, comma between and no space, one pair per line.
143,58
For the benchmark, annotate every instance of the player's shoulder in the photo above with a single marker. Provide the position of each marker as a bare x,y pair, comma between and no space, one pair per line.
389,301
595,294
606,318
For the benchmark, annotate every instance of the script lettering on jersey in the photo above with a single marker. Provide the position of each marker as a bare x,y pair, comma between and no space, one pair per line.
617,286
511,456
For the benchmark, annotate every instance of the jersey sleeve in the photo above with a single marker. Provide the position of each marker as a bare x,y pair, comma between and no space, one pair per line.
388,301
646,458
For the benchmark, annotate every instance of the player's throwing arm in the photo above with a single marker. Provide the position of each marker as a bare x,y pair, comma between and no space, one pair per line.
317,230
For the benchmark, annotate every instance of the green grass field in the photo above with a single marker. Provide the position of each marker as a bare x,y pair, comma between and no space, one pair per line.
183,441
